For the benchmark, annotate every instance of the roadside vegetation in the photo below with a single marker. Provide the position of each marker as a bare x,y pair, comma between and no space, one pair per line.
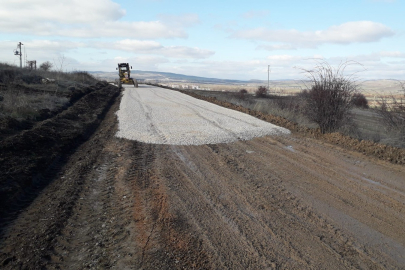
28,96
331,103
329,100
392,113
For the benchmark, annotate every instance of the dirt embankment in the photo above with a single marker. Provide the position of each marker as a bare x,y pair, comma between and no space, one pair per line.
27,156
369,148
10,125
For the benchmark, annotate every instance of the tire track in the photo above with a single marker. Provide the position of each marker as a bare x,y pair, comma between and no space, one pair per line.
147,112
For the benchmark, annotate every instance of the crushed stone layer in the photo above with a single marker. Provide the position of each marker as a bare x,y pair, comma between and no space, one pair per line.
160,116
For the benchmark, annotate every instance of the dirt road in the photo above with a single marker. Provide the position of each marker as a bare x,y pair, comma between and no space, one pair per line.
283,202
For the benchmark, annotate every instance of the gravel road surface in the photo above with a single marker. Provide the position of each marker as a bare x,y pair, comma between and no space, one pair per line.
155,115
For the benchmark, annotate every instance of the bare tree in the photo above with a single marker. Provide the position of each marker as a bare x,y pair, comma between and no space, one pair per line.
329,98
46,66
60,63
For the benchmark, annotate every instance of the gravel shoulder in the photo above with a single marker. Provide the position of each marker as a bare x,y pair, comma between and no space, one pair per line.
274,202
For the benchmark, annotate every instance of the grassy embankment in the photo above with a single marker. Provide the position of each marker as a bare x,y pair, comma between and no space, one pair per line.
25,99
365,124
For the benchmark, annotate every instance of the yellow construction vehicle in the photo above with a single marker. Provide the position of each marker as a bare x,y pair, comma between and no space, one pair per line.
124,73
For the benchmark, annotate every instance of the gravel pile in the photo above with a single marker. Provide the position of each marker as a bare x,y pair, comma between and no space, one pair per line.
160,116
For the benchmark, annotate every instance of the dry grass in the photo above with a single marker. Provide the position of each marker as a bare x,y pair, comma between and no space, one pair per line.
365,124
14,75
289,108
24,100
22,106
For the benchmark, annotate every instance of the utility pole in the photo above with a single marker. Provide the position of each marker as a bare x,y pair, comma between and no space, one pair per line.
19,52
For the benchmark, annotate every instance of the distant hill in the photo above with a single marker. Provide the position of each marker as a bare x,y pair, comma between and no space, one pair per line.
368,86
168,77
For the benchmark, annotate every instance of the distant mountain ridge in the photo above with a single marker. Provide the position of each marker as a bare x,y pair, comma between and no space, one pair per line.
170,77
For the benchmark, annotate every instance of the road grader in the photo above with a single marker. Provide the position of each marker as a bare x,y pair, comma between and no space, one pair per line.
124,73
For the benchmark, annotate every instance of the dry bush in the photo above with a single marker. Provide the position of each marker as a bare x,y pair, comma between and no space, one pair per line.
46,66
329,100
360,101
393,112
261,92
242,94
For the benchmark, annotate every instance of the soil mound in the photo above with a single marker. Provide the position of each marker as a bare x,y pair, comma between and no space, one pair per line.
26,156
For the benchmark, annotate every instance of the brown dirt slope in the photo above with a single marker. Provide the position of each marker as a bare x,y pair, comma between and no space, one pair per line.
26,156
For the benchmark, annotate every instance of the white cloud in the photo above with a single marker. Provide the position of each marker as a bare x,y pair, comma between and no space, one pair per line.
46,46
252,14
394,54
139,30
77,18
132,45
61,11
371,58
181,20
186,52
346,33
153,47
150,63
276,47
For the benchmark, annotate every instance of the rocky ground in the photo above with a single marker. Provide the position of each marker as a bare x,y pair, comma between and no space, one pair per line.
285,202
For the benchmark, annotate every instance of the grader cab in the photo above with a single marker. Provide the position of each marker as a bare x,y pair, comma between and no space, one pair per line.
124,73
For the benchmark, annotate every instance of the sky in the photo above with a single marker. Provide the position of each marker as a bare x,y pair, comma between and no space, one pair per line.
218,39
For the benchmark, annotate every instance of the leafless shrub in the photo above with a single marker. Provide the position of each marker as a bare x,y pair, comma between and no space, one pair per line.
241,94
60,63
392,111
360,101
46,66
329,100
261,92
